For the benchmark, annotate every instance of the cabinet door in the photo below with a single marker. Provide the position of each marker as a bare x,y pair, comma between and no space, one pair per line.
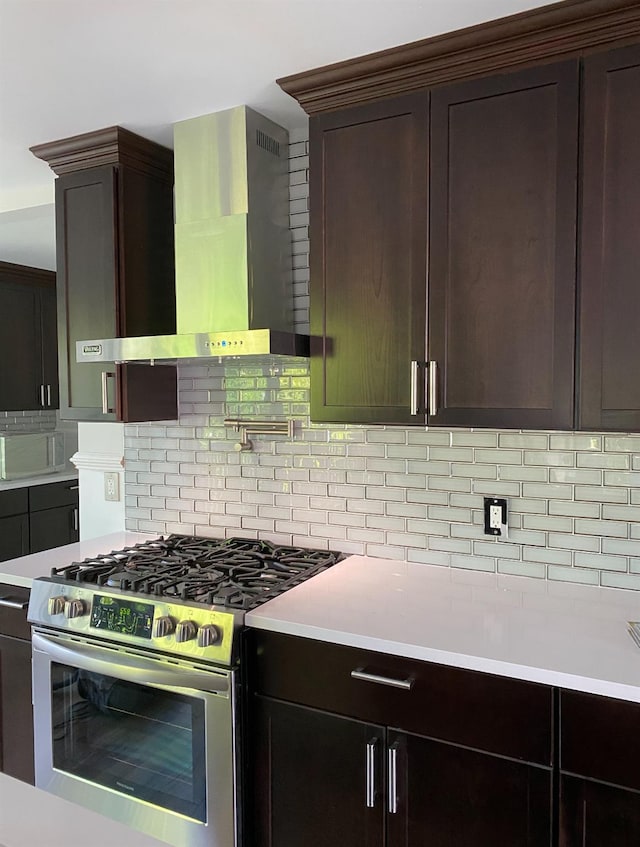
53,528
16,716
49,335
20,348
447,795
318,779
504,157
14,537
596,815
609,345
87,279
368,193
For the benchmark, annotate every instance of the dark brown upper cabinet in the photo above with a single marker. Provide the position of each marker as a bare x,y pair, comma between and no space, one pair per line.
501,167
529,220
368,173
28,345
609,341
502,255
115,260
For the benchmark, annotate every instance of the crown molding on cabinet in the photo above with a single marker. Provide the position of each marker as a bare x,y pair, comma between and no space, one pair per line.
109,146
539,35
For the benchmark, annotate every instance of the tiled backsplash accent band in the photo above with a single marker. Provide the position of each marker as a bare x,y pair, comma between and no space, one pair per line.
401,493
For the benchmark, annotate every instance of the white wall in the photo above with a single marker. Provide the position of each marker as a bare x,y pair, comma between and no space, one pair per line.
100,450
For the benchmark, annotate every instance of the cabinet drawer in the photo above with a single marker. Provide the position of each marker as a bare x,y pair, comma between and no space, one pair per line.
15,501
600,738
53,494
491,713
13,618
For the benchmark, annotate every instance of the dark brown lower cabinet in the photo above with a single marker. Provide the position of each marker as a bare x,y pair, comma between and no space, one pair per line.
600,777
326,779
597,815
312,778
14,537
16,716
358,749
448,795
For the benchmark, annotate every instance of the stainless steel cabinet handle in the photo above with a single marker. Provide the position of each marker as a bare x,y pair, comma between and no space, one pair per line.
414,387
48,395
42,403
392,786
433,388
371,772
8,603
73,487
105,392
404,684
75,520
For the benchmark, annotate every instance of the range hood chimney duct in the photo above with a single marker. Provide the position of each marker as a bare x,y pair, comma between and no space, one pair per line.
233,246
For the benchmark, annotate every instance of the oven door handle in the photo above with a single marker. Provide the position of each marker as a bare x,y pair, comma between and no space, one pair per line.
127,667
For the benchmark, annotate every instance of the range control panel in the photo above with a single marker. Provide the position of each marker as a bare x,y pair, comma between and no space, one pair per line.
183,629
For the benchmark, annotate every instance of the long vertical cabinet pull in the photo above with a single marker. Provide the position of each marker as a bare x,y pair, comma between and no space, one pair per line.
105,392
392,777
42,402
48,395
371,773
414,387
433,388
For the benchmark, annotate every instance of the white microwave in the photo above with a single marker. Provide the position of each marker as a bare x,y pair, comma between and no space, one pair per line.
24,454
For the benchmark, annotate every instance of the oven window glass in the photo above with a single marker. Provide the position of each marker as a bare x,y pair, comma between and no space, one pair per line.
140,741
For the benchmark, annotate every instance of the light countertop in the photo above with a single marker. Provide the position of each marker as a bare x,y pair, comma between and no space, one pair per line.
41,479
562,634
24,570
31,817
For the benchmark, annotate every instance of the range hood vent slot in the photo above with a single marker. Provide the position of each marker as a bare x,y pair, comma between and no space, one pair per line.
267,143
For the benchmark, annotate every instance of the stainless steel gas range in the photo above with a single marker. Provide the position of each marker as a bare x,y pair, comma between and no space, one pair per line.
137,679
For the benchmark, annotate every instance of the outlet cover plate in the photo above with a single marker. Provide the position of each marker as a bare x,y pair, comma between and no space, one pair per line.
490,505
112,486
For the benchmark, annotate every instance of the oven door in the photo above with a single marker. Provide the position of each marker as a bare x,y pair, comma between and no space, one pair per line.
144,740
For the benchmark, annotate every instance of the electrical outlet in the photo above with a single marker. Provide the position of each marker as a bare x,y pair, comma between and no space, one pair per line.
112,486
495,516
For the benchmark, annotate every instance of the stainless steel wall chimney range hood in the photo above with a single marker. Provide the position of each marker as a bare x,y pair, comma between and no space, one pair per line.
233,246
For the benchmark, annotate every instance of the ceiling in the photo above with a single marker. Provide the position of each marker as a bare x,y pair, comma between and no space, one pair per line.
73,66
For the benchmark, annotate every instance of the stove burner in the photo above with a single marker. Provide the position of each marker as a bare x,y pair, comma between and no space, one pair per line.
237,573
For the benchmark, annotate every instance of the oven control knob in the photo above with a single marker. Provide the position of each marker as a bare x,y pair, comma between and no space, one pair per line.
185,631
208,635
163,626
55,606
74,609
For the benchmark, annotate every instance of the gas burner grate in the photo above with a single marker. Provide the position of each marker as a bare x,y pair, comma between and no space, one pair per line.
235,572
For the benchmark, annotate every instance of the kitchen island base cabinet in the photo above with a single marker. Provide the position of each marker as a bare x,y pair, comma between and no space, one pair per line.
16,716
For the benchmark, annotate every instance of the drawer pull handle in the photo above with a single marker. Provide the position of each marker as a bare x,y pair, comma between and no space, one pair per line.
73,487
371,773
361,674
8,603
392,767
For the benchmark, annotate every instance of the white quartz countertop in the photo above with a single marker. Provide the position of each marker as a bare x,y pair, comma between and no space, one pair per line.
33,818
24,570
41,479
568,635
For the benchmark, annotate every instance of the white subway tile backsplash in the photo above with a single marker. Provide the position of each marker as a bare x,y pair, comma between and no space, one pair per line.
413,493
